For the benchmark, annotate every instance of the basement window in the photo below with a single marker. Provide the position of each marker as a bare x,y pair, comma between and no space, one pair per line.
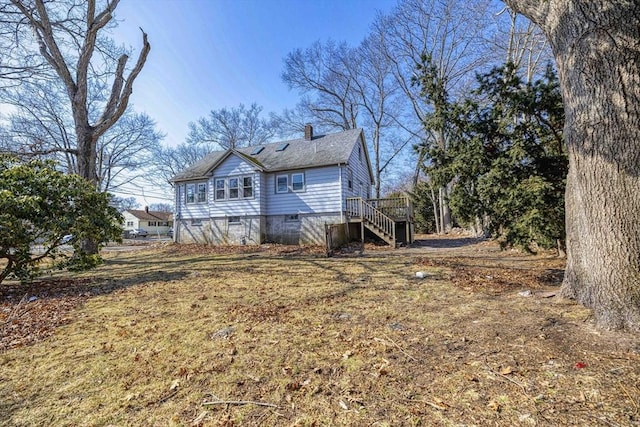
292,218
233,219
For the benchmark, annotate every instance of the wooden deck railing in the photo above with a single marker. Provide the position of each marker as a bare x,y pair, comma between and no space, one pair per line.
395,207
385,225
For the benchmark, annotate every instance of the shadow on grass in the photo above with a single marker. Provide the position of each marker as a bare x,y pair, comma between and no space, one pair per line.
61,287
447,243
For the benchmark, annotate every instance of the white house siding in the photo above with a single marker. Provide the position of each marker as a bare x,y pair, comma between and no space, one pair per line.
130,221
321,195
234,166
360,174
319,204
262,194
192,210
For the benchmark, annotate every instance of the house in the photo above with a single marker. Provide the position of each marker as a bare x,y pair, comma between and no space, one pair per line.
153,222
284,192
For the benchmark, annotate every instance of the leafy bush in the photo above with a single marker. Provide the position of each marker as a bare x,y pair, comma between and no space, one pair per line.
39,205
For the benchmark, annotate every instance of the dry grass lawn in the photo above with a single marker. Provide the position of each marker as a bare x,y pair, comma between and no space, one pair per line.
192,336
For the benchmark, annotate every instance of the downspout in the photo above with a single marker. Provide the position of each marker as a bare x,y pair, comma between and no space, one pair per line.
177,218
342,198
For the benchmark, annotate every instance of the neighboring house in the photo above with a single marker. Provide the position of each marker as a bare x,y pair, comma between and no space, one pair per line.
153,222
282,192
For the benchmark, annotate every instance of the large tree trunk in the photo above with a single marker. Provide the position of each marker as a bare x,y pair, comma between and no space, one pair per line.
446,224
87,169
87,154
436,211
596,48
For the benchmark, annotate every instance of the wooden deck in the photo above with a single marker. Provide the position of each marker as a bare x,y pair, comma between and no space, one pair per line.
384,217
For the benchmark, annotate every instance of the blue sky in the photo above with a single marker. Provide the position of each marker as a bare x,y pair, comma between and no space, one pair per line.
210,54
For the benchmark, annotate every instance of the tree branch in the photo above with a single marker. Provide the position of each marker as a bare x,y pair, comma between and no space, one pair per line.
120,96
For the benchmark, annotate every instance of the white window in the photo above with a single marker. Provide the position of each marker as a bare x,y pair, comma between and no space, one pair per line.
191,193
350,179
234,192
235,187
234,219
196,222
152,223
247,187
129,223
297,182
220,189
196,193
202,193
282,183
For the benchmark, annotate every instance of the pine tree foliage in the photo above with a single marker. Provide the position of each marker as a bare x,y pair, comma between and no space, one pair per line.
506,157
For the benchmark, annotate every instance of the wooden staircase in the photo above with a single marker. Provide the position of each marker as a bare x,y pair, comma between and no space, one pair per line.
372,218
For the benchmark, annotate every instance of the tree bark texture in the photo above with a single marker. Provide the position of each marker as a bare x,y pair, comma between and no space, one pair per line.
597,49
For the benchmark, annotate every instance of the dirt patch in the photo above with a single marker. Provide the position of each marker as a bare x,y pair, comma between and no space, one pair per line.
284,336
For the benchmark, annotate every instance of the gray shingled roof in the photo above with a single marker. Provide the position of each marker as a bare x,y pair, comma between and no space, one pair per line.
322,150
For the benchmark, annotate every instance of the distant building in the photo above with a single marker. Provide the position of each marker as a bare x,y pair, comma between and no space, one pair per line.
153,222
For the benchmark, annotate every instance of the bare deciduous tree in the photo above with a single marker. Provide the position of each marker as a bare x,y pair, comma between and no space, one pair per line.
125,150
161,207
321,75
451,34
231,128
42,126
519,41
67,35
378,96
167,162
124,203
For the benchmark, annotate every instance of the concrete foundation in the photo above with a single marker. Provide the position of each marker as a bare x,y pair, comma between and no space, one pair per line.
247,230
308,229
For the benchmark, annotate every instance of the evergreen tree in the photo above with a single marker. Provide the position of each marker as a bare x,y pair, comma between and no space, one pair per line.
508,161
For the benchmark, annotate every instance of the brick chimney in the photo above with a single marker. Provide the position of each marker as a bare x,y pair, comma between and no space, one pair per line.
308,132
146,209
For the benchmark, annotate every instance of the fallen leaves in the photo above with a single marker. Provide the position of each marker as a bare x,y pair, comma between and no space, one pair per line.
499,276
507,370
31,313
312,342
